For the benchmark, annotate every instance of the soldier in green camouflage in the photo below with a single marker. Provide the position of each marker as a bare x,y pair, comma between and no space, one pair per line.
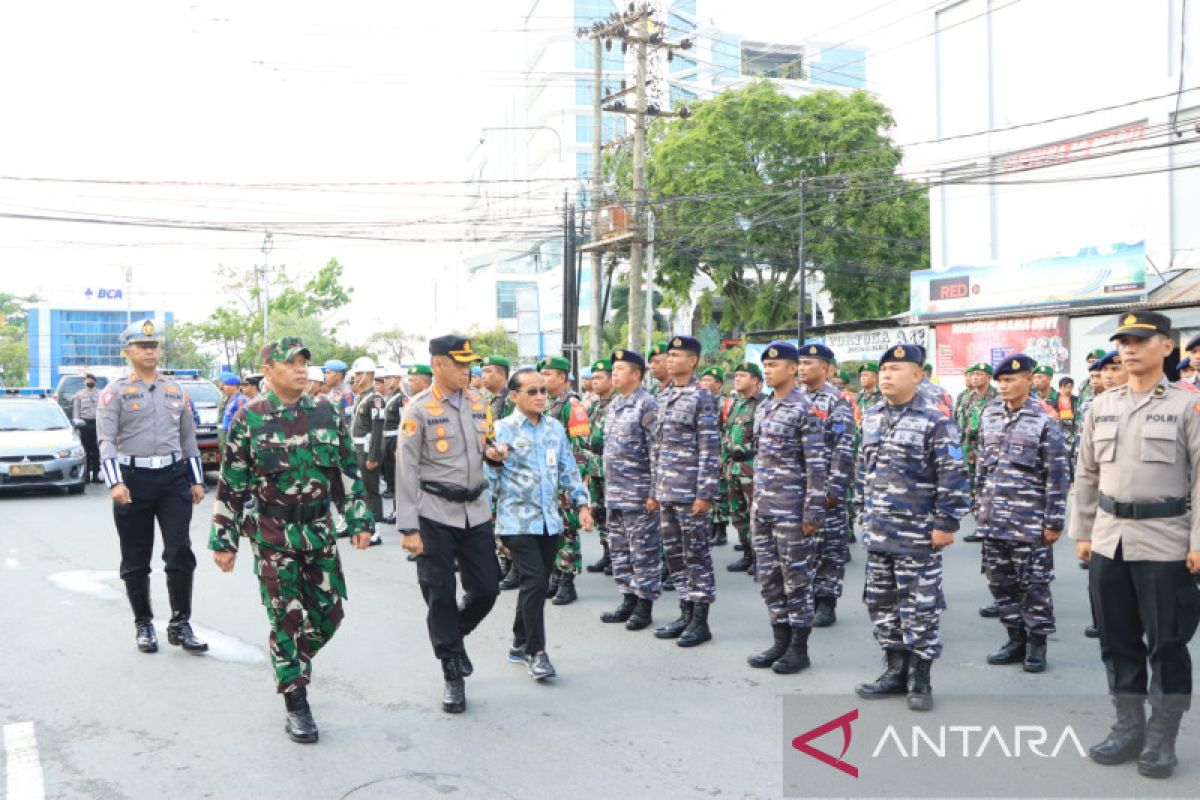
737,457
593,476
288,457
713,379
565,406
656,366
869,395
968,412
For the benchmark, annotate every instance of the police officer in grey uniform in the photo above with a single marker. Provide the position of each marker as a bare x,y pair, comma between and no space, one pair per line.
443,509
83,409
1134,518
152,467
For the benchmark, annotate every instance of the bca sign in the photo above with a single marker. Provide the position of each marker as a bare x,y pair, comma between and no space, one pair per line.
102,294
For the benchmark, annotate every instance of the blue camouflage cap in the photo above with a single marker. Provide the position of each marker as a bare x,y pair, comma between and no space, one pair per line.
780,350
1012,365
903,353
816,350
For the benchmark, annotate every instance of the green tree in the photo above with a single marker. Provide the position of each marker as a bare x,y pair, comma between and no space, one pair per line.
394,344
496,342
14,337
726,186
181,348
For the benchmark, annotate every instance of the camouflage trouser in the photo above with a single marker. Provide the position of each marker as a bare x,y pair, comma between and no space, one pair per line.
969,448
634,542
687,541
569,558
1019,575
832,552
905,602
599,512
720,511
784,561
741,496
303,592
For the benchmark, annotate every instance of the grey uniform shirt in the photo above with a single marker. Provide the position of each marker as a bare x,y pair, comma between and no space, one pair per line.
1139,452
144,420
442,442
84,404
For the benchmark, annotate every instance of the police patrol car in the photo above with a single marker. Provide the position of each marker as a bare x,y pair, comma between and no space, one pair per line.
39,446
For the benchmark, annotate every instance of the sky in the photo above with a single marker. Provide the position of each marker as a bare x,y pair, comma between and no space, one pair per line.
355,119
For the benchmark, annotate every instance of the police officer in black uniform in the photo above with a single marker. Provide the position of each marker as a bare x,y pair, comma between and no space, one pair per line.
152,467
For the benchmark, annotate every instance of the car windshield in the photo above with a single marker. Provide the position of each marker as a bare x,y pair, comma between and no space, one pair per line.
203,393
39,416
74,383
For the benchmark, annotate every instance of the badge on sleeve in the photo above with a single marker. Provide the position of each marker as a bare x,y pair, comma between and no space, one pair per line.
410,427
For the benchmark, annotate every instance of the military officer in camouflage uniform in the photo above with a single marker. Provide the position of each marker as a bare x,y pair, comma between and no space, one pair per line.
792,470
713,379
868,396
913,491
496,371
634,534
565,406
287,459
602,395
1089,389
1020,506
366,432
737,451
656,362
685,461
968,413
835,408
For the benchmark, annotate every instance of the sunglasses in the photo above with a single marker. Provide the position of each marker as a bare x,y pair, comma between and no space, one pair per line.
536,391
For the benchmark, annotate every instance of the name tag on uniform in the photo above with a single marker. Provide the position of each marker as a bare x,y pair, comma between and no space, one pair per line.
551,458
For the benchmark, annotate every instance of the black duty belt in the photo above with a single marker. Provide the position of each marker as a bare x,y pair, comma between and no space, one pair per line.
455,494
1175,507
299,514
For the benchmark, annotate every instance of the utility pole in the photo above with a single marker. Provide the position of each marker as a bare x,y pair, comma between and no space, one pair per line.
266,251
639,189
650,277
597,337
803,257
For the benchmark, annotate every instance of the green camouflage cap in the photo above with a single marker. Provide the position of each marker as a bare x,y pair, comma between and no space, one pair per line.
844,375
281,351
420,369
753,369
714,372
1042,369
928,367
657,349
982,366
555,362
1098,354
601,365
869,366
496,361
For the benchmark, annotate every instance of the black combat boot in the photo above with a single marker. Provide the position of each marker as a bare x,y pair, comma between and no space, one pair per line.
743,564
1012,651
555,577
465,666
604,563
1158,758
511,579
894,679
566,590
668,584
1091,632
972,537
1035,654
826,615
623,612
672,630
137,589
720,533
740,546
179,630
920,691
796,657
783,637
697,631
1128,733
454,693
643,615
989,612
300,725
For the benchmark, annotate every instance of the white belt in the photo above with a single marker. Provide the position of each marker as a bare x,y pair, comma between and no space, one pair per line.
154,462
360,440
390,434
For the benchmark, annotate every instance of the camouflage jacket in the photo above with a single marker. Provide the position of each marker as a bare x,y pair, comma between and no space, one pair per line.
685,458
279,455
910,477
502,405
1021,473
867,400
737,436
568,409
629,435
837,412
968,412
792,466
597,410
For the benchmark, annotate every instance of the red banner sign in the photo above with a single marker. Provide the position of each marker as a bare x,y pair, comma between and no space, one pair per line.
961,344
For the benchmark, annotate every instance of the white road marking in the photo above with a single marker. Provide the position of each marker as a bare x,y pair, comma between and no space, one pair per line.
11,563
23,767
85,581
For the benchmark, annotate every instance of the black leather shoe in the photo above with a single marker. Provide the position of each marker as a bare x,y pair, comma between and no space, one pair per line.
696,632
1158,759
720,534
740,547
825,615
179,630
300,725
796,657
989,612
1012,651
920,691
783,637
147,640
137,589
673,630
623,612
454,692
465,666
511,579
1128,734
972,537
894,679
1035,654
566,591
743,564
603,563
1091,632
642,617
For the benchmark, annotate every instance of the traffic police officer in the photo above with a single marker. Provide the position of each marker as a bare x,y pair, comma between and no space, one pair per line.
913,489
152,467
1134,517
1020,505
443,510
737,448
83,409
366,431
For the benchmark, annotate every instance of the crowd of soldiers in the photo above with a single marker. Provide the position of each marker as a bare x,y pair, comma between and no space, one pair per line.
791,458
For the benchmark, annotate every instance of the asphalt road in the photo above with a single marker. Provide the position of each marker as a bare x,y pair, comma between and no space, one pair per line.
628,716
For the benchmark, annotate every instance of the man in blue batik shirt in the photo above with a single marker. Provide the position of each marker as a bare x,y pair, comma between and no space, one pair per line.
528,460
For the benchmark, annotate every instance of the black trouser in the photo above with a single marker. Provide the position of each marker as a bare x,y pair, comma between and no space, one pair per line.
163,494
370,479
475,550
387,469
533,556
87,437
1147,611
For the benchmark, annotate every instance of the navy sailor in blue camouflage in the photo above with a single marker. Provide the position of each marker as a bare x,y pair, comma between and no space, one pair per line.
1021,501
912,483
685,463
790,480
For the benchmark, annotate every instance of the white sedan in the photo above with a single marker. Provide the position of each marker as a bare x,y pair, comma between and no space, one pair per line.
39,447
